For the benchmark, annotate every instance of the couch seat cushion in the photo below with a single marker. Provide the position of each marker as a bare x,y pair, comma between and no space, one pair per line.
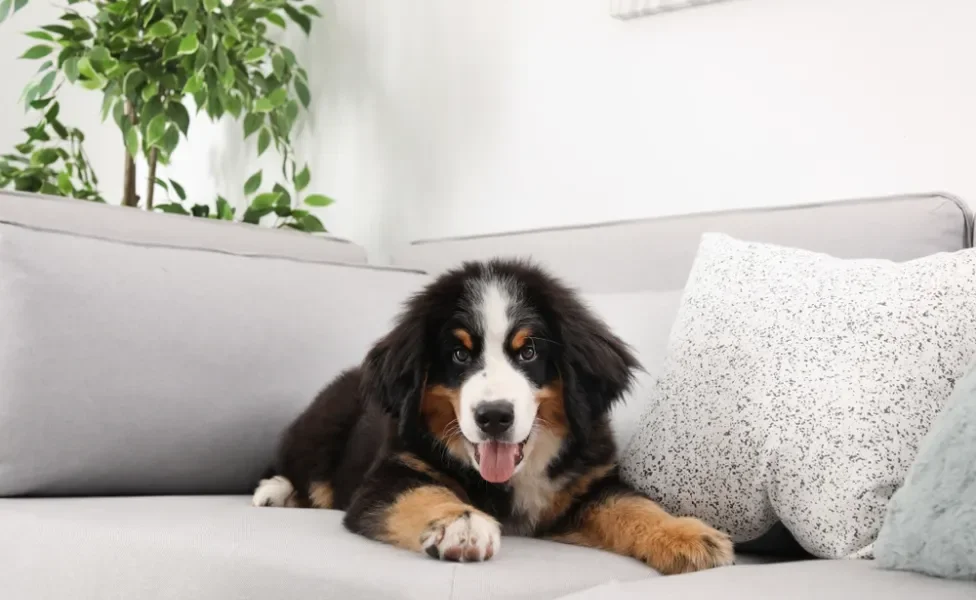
215,547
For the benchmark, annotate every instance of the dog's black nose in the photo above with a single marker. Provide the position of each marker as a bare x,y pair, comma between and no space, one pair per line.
495,418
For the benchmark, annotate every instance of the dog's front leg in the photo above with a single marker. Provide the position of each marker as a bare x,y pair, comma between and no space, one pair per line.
623,521
407,504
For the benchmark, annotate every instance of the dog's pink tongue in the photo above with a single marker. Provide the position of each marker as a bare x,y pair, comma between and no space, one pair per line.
497,461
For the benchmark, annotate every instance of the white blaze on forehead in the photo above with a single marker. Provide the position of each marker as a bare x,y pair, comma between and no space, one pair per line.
498,379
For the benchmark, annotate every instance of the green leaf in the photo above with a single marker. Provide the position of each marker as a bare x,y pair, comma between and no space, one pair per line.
302,90
252,184
224,210
188,45
86,69
161,29
64,184
284,198
278,97
179,115
211,5
108,103
233,104
278,65
253,215
264,140
60,30
131,140
44,157
263,105
47,82
299,18
4,9
52,113
200,210
276,19
253,55
162,184
178,189
156,130
150,91
133,79
267,200
318,200
117,8
311,10
252,122
171,139
38,51
41,35
70,68
302,179
311,224
41,103
202,59
172,208
194,85
172,49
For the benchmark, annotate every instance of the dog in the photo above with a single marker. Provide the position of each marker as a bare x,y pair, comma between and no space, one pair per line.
485,410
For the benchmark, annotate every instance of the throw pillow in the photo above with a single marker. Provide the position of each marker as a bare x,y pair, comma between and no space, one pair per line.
797,387
931,522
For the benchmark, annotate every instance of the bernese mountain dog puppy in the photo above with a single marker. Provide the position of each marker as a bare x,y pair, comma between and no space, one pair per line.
484,411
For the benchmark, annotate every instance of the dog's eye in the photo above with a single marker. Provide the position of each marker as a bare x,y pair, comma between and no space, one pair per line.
461,356
527,353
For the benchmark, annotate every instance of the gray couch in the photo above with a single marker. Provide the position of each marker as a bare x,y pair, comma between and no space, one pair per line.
148,362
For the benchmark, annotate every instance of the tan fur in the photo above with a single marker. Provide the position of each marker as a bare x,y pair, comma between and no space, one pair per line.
320,495
635,526
439,407
563,499
464,337
417,510
551,412
521,336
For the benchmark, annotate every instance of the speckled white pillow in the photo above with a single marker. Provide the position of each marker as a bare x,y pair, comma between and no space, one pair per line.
797,387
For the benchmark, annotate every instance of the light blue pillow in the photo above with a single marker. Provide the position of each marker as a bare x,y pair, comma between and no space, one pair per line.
930,526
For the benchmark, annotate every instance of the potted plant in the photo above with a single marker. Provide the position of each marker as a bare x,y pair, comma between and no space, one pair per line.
155,62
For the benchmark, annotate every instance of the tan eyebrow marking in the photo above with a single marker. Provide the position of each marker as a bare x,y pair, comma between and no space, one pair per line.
464,337
521,336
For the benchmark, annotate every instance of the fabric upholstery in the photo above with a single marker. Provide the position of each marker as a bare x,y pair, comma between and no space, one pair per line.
930,525
150,369
213,548
797,386
656,254
803,580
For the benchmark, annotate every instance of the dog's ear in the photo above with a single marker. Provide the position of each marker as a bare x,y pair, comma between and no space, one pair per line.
597,367
393,370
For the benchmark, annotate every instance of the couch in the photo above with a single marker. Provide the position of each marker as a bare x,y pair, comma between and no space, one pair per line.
148,362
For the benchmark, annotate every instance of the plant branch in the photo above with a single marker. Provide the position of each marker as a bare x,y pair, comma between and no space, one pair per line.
151,183
129,196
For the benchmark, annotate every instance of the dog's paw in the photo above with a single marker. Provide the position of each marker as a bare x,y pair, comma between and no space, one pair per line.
471,537
688,545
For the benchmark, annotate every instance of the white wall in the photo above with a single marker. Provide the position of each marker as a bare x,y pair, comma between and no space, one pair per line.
516,114
441,117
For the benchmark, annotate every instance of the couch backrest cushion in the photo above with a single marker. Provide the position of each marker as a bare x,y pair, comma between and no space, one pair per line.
177,231
144,367
656,254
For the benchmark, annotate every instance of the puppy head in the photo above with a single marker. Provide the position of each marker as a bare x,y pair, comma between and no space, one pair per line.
500,364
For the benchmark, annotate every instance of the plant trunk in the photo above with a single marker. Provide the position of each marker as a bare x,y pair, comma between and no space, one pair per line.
129,196
151,183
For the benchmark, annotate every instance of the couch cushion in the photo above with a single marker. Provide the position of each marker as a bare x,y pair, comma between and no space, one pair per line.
804,580
205,548
657,253
143,367
141,227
